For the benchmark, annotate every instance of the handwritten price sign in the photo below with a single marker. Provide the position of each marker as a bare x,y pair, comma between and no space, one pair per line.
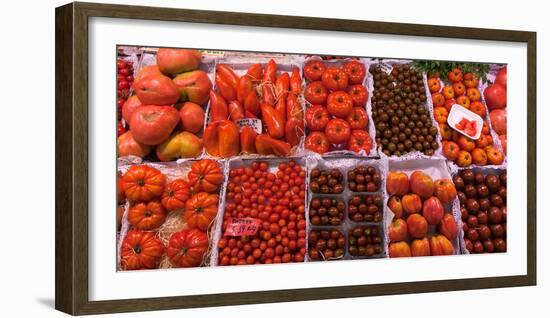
242,227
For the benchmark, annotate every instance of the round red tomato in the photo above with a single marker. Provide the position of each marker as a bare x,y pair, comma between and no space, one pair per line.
200,210
339,104
147,216
175,194
360,140
140,250
318,142
317,117
338,131
187,248
356,72
335,79
359,94
358,118
143,183
206,175
314,69
316,93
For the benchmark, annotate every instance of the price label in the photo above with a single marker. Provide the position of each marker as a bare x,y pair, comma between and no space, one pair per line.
386,67
242,227
255,123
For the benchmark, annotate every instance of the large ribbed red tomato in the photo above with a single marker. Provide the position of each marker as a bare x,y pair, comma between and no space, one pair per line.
206,175
187,248
147,215
175,194
143,183
200,210
140,250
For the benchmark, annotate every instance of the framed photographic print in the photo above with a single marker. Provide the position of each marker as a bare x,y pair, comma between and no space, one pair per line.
211,158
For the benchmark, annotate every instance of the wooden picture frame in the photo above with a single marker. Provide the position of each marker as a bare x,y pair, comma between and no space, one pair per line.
71,290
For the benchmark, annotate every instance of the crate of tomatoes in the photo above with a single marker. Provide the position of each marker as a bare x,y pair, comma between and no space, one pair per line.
256,107
337,107
167,213
346,208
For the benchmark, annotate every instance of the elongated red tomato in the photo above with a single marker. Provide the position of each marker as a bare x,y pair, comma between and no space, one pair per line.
294,131
293,107
268,94
140,250
228,75
270,72
281,86
295,81
273,121
226,89
255,72
236,110
252,104
246,86
187,248
143,183
218,107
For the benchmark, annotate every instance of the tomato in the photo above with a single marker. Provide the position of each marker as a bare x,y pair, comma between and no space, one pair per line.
151,125
314,69
187,248
226,89
338,131
273,121
293,107
200,210
175,194
254,72
140,250
294,131
318,142
359,94
218,107
358,118
295,81
143,183
339,104
236,110
360,140
221,139
270,72
335,79
244,88
147,216
317,117
316,93
228,75
206,175
282,85
356,71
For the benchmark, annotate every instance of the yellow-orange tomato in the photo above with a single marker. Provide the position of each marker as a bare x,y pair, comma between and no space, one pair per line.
441,114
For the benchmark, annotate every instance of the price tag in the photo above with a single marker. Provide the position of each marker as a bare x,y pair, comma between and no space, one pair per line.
255,123
213,53
386,67
242,227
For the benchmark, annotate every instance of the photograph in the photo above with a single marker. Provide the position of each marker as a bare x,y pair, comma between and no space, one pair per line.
248,158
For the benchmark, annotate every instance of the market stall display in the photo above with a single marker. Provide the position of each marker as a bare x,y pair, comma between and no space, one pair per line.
238,158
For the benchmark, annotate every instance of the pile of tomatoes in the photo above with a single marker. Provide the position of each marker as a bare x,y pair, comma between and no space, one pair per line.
125,79
462,90
337,118
258,112
277,200
151,198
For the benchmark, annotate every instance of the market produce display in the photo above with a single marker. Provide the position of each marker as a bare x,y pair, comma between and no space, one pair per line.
483,209
168,214
166,113
264,216
460,144
240,158
336,116
399,111
257,112
423,223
